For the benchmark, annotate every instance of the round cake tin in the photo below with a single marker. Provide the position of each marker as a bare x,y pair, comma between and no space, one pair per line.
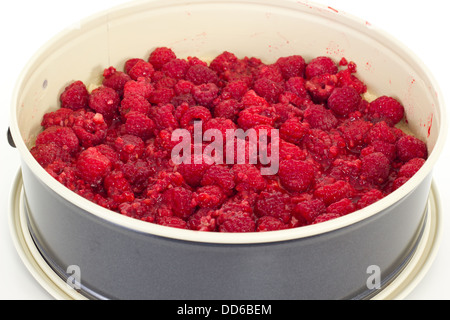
357,256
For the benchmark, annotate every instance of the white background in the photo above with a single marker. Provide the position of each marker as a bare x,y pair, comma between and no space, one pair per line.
26,25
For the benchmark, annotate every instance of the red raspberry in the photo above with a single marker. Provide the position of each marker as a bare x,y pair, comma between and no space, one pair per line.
326,217
197,113
410,168
344,101
248,178
347,170
409,147
58,118
318,117
202,220
199,74
334,192
238,222
320,87
176,68
110,153
165,82
137,172
293,130
219,175
254,116
183,87
270,72
129,64
268,223
115,79
355,133
319,66
234,90
129,147
104,100
193,172
179,200
209,197
286,111
118,188
75,96
375,168
63,137
228,109
89,127
369,198
289,151
307,211
142,69
251,99
139,124
346,78
388,149
46,154
134,103
172,222
138,209
295,175
292,66
142,87
297,85
205,94
160,56
162,96
381,131
92,166
342,207
224,62
268,89
386,109
274,204
164,117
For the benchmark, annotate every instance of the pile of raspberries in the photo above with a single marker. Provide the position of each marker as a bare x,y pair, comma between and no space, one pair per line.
338,152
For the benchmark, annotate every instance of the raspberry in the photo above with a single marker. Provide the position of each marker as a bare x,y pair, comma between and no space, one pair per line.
355,133
89,127
254,116
307,211
115,79
234,90
118,188
319,66
289,151
219,175
334,192
75,96
248,178
274,204
160,56
46,154
197,113
320,87
386,109
58,118
295,175
326,217
409,147
202,220
268,223
228,109
224,62
318,117
140,87
342,207
270,72
209,197
410,168
268,89
369,198
292,66
129,64
381,131
199,74
205,94
139,124
344,101
183,87
134,103
172,222
129,147
142,69
92,166
297,86
137,172
176,68
251,99
179,200
238,222
286,111
164,117
63,137
293,130
104,100
193,172
375,168
162,96
388,149
346,78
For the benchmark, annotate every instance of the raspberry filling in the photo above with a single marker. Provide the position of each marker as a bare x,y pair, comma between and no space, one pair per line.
338,151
